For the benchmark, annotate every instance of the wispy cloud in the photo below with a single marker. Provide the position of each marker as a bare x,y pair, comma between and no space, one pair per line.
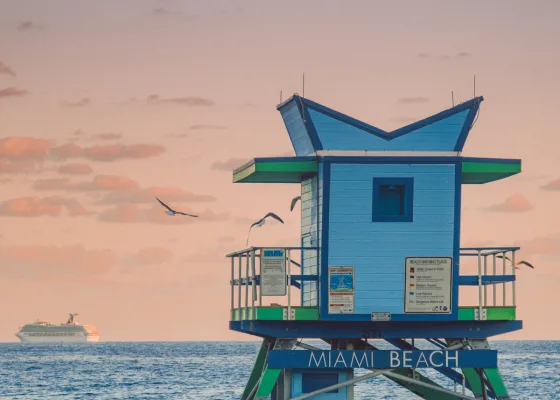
413,100
76,104
24,147
553,185
5,69
229,165
31,206
445,57
13,92
109,152
133,214
26,26
188,101
513,204
206,127
75,169
150,256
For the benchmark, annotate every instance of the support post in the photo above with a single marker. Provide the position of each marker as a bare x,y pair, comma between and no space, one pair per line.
494,285
513,273
232,286
504,284
239,288
479,285
247,286
289,285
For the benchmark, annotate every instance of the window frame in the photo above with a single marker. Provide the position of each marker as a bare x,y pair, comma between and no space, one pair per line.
408,201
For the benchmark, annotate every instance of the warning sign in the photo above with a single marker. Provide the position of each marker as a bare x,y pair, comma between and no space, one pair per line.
341,290
428,285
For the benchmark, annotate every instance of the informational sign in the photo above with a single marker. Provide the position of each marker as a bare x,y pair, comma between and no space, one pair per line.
380,316
273,272
341,290
374,359
428,285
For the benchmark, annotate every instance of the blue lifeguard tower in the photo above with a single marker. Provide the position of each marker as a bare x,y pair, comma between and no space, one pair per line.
379,265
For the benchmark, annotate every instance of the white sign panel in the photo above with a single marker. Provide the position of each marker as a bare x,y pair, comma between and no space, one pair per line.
428,285
341,290
273,272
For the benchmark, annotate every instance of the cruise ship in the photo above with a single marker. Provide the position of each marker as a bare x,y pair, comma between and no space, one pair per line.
71,331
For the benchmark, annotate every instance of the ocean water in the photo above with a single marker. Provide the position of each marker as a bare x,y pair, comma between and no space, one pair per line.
215,370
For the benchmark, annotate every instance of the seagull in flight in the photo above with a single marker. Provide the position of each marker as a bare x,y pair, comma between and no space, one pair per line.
518,263
173,212
294,201
261,222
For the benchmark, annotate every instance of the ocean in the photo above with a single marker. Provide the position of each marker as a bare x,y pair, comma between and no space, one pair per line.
215,370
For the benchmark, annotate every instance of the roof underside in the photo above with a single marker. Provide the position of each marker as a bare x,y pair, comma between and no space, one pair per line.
297,169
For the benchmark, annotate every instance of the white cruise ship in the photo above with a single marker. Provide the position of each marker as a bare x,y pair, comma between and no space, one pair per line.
71,331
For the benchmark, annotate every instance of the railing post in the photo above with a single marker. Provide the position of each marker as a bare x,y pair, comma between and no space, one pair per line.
479,286
485,274
260,274
253,282
289,284
504,284
513,273
232,287
494,285
247,286
239,287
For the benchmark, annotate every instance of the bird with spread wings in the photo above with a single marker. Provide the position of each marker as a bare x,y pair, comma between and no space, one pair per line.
294,201
261,222
173,212
518,263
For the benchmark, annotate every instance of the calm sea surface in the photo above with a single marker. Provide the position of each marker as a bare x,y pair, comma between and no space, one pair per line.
214,370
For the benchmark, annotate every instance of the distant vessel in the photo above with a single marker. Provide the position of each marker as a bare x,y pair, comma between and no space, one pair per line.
71,331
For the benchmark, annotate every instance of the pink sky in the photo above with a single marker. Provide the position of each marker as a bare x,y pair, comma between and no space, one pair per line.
104,104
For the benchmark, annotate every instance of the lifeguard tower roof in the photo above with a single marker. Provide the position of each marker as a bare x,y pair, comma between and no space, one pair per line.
318,131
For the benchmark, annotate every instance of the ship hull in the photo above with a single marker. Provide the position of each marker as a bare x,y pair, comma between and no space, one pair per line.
58,339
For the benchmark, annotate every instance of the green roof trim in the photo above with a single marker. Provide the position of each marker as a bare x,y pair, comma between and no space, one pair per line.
479,172
275,171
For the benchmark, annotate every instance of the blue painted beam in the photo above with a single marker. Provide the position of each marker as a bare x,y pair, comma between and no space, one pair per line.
472,280
377,330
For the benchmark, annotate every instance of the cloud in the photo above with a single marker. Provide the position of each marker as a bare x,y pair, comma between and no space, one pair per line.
37,261
76,104
403,120
167,194
132,213
109,152
41,206
413,100
546,245
13,92
206,127
229,165
5,69
16,167
150,256
191,101
26,26
445,57
553,185
106,136
21,148
98,183
75,169
513,204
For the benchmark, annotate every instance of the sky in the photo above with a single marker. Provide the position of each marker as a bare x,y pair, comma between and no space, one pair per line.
106,104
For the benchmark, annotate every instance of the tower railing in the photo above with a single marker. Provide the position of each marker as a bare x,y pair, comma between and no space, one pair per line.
489,273
246,272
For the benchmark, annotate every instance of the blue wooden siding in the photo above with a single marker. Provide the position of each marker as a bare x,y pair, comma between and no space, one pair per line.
338,135
377,250
309,208
296,130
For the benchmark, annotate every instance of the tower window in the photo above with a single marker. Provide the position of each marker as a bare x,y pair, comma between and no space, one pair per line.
392,199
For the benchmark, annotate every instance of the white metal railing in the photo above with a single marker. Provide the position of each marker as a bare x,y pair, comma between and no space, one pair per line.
507,256
250,258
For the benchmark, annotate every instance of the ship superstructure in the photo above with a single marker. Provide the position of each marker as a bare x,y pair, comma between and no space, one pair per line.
70,331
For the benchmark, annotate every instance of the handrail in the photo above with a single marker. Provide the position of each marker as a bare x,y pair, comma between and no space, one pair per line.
249,249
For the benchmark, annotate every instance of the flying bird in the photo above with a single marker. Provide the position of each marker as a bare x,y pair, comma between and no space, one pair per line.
518,263
294,201
261,222
173,212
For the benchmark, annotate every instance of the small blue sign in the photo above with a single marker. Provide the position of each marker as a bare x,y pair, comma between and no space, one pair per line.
383,359
342,282
274,253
